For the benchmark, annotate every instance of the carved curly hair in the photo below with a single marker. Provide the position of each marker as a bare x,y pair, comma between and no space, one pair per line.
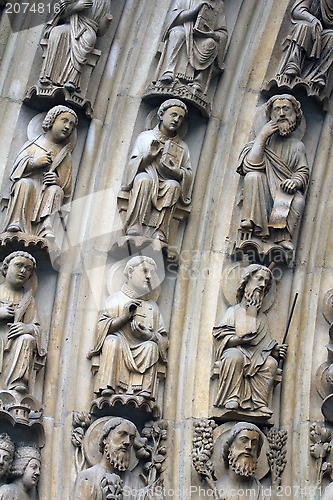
53,113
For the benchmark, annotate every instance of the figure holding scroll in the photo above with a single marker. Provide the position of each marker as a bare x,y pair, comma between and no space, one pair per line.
276,175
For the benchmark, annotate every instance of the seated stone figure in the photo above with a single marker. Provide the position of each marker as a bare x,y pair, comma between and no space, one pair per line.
158,175
42,176
195,41
71,36
246,353
24,473
131,338
309,46
276,175
20,334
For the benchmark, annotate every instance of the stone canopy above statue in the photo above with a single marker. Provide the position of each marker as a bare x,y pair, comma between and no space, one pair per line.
194,45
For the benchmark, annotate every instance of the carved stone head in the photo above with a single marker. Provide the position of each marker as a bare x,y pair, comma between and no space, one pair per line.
140,272
286,111
242,448
255,283
169,104
26,465
6,455
117,441
18,267
53,113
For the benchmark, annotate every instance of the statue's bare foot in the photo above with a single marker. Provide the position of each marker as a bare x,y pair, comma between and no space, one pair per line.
135,230
13,228
287,245
246,224
107,392
232,404
291,70
265,410
167,77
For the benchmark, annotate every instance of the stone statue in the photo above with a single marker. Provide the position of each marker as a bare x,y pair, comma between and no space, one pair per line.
71,36
131,338
246,353
108,478
6,456
42,176
24,473
276,175
240,454
159,175
195,39
20,333
309,47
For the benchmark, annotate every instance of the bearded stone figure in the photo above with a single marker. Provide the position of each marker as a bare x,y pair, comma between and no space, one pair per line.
24,474
108,478
20,335
246,353
42,176
309,47
7,449
240,454
276,175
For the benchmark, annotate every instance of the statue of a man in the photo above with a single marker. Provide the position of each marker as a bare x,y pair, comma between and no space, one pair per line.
246,352
7,449
309,47
240,454
20,340
195,38
109,477
42,176
159,175
276,174
71,36
131,338
24,473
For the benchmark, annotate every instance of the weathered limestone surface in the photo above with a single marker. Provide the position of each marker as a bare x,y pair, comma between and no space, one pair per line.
73,286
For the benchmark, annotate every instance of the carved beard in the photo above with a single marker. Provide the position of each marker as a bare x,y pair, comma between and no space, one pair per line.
254,297
242,466
287,126
118,458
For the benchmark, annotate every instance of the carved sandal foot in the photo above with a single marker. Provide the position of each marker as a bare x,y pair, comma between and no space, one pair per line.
19,388
70,87
159,235
265,410
107,392
231,405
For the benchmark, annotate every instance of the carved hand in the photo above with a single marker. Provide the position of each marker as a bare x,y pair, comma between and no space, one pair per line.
129,309
317,27
268,129
282,349
50,179
172,172
18,329
154,149
83,4
139,328
289,186
42,160
7,312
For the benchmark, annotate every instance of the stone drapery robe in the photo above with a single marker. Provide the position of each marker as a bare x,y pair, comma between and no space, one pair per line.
128,362
13,492
88,484
31,201
252,489
149,186
315,60
69,44
17,355
186,53
246,371
284,158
